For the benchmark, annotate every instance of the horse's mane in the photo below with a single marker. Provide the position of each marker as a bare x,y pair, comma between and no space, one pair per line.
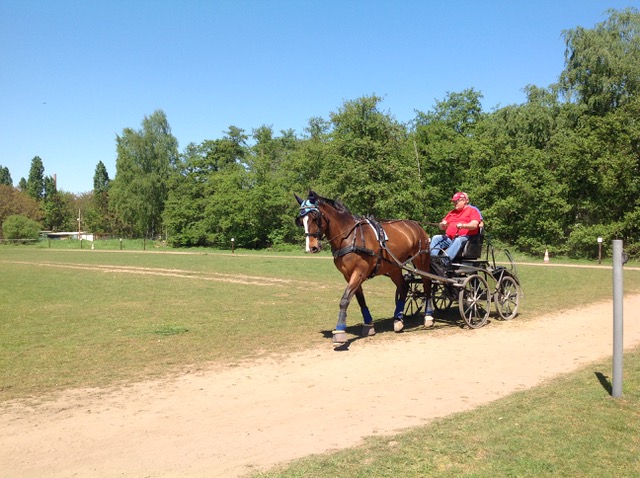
334,203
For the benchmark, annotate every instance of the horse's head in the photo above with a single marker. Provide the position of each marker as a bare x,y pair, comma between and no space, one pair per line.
312,220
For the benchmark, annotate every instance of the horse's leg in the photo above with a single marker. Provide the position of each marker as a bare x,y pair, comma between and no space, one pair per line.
401,297
423,262
340,334
367,326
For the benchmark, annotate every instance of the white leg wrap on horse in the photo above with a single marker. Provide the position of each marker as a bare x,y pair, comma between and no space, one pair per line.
398,325
339,336
428,321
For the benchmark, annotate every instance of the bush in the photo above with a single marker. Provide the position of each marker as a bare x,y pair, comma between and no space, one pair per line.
583,240
20,227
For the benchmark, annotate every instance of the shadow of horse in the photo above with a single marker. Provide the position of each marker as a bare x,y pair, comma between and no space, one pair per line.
413,324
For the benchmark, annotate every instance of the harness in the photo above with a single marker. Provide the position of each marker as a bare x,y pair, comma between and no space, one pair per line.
358,229
357,244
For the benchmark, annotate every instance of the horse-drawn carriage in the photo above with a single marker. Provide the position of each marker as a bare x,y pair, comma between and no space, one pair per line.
363,248
473,280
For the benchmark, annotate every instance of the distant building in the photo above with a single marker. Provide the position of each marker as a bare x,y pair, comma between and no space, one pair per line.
67,235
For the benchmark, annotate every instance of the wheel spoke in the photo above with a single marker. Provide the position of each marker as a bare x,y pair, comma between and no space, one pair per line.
439,296
415,299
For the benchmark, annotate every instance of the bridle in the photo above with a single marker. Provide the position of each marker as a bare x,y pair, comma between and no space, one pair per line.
310,208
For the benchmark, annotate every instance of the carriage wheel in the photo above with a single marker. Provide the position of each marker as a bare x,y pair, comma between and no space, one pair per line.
474,301
507,297
439,297
415,299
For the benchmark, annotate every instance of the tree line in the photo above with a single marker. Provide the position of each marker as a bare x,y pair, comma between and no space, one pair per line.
555,172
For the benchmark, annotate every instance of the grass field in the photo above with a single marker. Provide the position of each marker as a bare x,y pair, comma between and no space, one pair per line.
86,318
91,318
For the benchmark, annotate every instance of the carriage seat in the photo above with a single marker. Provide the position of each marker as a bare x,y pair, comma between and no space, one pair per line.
473,247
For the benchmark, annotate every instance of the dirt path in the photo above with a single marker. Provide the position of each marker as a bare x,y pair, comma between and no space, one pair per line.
229,422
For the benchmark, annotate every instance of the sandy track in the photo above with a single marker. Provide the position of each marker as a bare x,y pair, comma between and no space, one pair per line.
226,422
181,273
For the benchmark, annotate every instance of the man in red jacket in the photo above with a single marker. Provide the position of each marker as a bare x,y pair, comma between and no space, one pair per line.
459,224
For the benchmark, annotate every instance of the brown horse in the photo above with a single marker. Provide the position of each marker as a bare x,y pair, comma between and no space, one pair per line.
363,248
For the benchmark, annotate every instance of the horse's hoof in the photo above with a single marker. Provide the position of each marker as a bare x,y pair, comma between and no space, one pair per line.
398,325
339,337
368,330
428,321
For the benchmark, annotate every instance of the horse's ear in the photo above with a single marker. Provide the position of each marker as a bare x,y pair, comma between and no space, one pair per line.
313,197
298,198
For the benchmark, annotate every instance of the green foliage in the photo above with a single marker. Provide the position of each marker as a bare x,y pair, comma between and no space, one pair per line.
20,227
207,177
16,202
101,179
146,159
583,240
364,166
602,65
58,212
5,176
35,183
98,217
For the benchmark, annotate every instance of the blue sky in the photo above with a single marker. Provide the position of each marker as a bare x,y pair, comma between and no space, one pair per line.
75,73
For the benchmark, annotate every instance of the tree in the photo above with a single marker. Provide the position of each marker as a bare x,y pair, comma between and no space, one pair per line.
459,111
101,179
365,166
302,168
97,215
146,159
196,185
57,213
602,65
5,177
35,183
268,198
442,143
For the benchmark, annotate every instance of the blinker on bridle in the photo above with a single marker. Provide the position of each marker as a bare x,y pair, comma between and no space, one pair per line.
308,207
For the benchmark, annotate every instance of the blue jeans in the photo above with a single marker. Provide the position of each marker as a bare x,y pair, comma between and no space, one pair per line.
450,247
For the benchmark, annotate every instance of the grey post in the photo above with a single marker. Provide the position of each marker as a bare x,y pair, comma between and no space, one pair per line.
618,298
